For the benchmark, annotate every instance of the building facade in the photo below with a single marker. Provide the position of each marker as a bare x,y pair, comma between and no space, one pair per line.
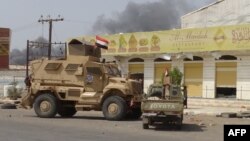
211,50
4,47
222,13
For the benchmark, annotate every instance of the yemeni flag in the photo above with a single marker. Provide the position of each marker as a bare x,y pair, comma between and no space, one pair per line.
101,42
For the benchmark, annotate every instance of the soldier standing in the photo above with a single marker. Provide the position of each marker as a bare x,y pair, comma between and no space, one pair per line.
166,84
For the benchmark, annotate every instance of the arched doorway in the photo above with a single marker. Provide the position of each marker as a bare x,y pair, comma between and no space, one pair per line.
193,76
136,69
226,76
136,65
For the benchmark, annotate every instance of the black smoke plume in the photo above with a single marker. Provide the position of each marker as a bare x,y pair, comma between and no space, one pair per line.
18,57
149,16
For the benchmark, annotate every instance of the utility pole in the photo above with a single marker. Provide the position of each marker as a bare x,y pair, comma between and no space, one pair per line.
50,21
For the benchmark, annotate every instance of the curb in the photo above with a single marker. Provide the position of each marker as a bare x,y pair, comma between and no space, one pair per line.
212,111
202,113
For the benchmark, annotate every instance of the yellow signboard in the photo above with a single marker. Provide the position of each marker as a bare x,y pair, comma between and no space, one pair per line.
180,40
4,49
4,41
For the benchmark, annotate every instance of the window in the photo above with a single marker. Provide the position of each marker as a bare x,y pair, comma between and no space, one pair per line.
72,67
52,66
94,70
161,60
195,58
228,57
136,60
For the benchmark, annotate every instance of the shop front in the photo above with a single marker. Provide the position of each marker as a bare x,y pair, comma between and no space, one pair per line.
213,59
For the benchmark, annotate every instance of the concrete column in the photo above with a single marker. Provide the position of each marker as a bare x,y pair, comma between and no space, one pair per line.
179,64
243,78
209,72
123,64
148,73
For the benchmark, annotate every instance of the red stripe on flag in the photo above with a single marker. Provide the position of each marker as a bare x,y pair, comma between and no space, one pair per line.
101,42
102,39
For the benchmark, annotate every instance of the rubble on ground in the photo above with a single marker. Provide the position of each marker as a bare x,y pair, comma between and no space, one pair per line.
7,103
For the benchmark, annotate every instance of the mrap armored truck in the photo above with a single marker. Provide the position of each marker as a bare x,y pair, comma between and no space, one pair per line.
80,82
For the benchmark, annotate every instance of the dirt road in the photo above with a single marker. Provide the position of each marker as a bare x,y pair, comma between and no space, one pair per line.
23,125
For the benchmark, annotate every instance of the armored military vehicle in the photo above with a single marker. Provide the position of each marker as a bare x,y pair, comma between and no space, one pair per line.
159,109
80,82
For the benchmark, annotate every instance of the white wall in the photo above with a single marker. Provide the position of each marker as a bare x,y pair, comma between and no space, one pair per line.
8,76
227,12
243,78
148,73
208,84
179,64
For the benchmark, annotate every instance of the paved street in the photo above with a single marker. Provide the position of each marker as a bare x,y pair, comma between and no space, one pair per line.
23,125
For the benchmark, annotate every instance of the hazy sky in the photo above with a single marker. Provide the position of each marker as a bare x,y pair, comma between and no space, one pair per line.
22,16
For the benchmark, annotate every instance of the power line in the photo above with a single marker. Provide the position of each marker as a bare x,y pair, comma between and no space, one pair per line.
25,27
42,30
50,21
55,34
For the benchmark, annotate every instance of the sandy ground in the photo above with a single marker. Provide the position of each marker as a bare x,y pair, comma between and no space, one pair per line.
24,125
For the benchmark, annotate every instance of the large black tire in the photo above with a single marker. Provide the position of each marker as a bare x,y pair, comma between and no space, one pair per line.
67,111
179,123
46,106
114,108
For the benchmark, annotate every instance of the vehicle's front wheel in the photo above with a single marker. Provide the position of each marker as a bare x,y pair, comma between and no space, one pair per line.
46,106
114,108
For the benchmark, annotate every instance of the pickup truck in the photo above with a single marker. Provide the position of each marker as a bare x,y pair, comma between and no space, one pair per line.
158,109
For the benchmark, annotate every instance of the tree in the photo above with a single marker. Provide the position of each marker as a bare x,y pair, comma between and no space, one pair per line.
176,76
17,57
